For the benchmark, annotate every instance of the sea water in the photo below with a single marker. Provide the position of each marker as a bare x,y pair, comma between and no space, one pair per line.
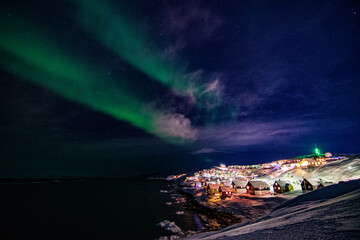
90,209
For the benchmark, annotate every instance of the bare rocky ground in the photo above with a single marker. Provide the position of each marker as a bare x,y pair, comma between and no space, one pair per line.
217,213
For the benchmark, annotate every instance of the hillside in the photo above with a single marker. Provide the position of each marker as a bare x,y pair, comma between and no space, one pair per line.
333,172
332,212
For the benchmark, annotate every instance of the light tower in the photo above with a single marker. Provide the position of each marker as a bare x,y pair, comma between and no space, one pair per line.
317,151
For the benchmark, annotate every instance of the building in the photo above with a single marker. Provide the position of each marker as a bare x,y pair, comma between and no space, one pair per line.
206,184
198,184
225,191
308,185
289,166
257,187
306,162
282,186
225,183
245,166
213,189
239,186
267,165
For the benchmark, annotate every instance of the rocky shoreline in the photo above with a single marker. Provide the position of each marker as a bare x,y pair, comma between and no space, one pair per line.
218,216
212,219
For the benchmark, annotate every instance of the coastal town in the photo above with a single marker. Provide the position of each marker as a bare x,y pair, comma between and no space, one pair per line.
264,179
248,193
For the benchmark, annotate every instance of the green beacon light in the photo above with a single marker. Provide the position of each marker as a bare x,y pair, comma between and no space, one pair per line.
317,151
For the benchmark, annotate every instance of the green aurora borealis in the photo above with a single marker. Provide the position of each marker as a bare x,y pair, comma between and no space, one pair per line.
111,28
52,66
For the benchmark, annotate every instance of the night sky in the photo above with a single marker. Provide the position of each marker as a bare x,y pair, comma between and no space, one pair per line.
134,88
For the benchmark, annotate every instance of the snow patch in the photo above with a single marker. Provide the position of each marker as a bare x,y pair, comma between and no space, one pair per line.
169,226
172,237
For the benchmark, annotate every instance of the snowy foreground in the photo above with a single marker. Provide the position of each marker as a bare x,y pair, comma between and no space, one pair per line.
243,206
332,212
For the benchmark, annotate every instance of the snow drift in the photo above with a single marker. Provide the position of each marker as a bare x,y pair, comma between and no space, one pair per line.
332,212
332,172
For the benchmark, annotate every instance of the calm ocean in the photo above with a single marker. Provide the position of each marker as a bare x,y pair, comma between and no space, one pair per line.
92,209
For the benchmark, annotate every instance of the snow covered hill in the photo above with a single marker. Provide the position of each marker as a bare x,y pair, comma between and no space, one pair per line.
332,212
342,170
333,172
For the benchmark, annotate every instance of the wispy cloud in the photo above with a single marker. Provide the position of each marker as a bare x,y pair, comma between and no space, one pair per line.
175,126
253,133
173,48
203,92
205,150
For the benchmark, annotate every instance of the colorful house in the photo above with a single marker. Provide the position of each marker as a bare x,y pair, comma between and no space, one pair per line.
257,187
213,189
282,186
206,184
308,185
306,162
239,186
225,191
